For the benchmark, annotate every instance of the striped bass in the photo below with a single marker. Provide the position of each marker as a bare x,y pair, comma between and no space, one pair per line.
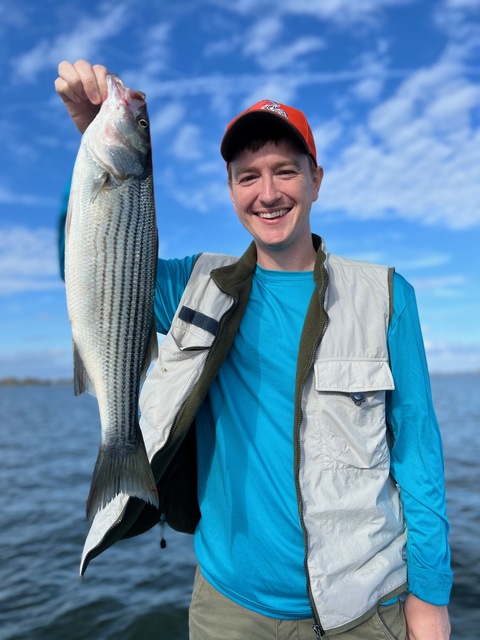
110,264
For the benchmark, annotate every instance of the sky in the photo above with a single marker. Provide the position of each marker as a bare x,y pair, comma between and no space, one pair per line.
391,89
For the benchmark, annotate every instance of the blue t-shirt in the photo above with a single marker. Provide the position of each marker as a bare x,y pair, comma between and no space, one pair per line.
249,541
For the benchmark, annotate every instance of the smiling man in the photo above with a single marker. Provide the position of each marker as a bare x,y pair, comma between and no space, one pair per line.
274,183
289,415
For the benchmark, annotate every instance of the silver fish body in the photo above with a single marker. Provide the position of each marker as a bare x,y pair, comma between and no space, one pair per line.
110,264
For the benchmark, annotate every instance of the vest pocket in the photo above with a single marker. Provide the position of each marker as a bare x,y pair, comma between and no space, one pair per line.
188,337
349,415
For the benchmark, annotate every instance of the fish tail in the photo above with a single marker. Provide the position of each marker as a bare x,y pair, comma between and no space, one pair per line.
121,470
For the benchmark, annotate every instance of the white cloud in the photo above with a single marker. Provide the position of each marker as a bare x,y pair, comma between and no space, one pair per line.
8,196
83,41
153,59
342,12
167,118
271,52
441,286
443,357
204,196
48,363
272,88
325,136
260,37
373,73
463,4
12,16
425,261
28,260
417,154
187,144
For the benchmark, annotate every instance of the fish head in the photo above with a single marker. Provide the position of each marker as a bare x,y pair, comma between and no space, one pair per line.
119,137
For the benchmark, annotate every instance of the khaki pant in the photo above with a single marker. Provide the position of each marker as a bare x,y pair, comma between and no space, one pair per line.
215,617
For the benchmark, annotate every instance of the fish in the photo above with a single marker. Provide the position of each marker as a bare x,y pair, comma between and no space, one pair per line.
111,252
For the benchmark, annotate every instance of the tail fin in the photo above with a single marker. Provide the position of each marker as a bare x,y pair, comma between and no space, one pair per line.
121,470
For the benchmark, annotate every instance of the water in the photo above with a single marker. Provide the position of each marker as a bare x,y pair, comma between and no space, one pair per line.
135,590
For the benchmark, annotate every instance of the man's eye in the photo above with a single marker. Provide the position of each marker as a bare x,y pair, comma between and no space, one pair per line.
247,178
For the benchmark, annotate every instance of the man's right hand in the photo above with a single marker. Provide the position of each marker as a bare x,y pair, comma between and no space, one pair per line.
83,88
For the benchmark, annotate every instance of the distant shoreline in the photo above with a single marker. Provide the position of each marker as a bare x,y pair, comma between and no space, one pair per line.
22,382
12,381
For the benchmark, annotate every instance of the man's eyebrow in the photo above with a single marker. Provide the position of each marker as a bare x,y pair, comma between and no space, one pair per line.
278,165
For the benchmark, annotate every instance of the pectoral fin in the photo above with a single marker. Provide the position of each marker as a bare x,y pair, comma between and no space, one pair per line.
81,380
152,351
98,184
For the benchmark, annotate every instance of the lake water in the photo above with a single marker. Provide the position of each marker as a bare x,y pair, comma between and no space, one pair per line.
135,590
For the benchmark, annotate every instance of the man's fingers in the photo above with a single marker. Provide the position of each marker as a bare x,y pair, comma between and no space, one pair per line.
81,82
101,74
66,93
93,80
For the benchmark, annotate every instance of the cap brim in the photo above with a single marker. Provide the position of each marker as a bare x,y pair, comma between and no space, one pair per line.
255,124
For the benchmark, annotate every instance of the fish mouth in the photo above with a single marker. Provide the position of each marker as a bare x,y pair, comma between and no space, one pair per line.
272,215
120,93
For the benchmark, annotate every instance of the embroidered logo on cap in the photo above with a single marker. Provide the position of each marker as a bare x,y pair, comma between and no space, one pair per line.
274,106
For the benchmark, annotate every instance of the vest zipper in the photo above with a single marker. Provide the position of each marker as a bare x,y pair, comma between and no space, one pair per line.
317,627
229,310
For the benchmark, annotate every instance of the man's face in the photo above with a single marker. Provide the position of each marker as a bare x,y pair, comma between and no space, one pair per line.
272,191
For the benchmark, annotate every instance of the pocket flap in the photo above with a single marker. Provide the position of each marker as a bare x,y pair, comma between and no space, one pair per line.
349,376
193,330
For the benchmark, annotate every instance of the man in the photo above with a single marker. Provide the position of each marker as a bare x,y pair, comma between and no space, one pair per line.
289,415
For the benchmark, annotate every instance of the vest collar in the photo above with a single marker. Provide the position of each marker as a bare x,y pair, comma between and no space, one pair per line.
234,277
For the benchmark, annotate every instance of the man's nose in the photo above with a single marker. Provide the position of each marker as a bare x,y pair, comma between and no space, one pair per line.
269,192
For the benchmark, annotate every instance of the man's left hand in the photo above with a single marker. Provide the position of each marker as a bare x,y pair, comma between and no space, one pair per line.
426,621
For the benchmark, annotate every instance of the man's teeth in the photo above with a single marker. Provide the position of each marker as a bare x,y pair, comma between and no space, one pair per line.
273,214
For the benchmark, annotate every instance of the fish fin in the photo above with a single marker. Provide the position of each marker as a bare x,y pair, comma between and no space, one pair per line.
81,380
68,217
121,470
98,184
152,351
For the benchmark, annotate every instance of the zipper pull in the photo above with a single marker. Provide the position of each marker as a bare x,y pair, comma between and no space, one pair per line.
163,521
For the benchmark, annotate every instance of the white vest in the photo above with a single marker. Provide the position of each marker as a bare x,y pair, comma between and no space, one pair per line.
349,505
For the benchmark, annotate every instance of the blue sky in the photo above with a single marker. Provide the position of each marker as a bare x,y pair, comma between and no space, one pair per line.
391,89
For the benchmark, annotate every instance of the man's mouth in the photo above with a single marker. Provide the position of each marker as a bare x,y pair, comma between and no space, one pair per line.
270,215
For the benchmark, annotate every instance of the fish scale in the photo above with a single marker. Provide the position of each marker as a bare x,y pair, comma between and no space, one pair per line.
110,265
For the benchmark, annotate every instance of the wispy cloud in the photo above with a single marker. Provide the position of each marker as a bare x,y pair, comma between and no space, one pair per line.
425,261
82,41
441,286
152,60
452,357
271,51
167,118
10,196
461,4
373,68
205,196
417,155
28,260
187,145
46,363
344,12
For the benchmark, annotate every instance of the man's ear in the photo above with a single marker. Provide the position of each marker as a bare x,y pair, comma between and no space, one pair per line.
317,181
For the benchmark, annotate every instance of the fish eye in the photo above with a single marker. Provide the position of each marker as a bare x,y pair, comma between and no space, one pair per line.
143,123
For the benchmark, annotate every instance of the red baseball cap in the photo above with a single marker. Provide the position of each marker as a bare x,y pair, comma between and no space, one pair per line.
260,116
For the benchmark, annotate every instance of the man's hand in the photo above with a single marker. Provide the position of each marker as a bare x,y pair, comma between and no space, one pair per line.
83,88
426,621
